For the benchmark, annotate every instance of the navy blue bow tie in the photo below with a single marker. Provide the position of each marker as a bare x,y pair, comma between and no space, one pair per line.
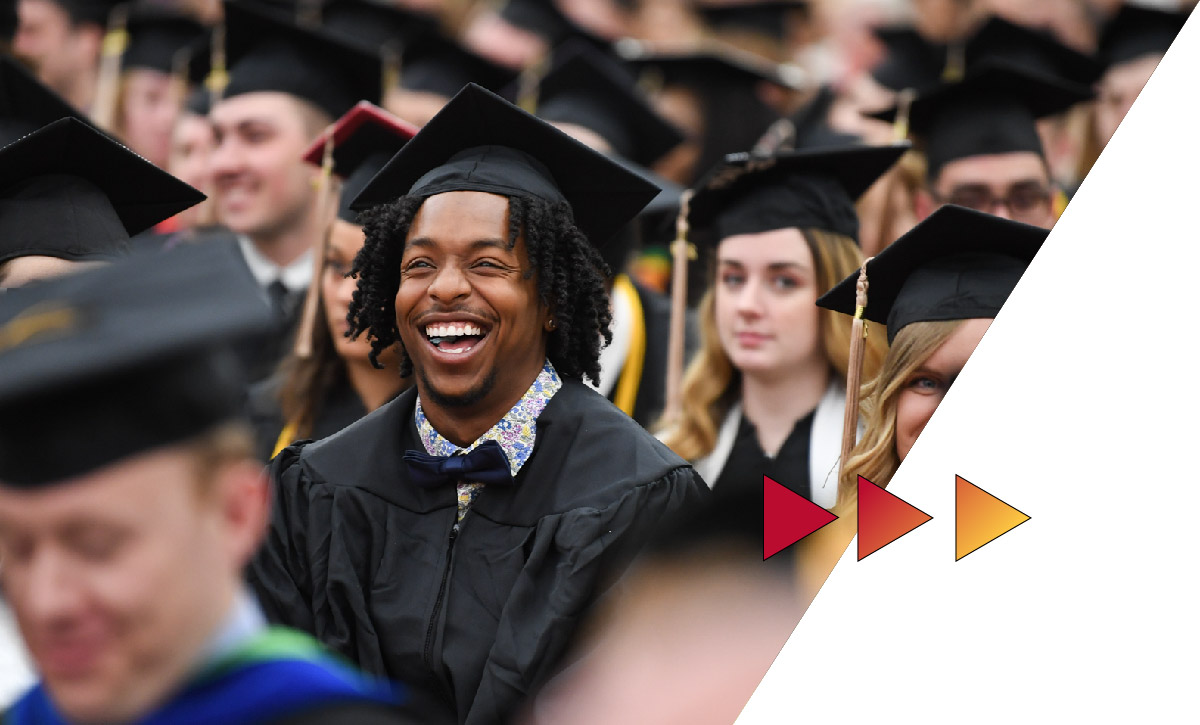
486,464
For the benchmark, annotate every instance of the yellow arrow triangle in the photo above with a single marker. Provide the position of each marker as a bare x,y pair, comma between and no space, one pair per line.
980,517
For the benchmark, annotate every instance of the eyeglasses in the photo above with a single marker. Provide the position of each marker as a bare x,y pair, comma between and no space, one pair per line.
1023,200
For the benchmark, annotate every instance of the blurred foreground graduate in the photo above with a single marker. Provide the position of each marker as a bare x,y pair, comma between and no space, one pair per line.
453,538
689,635
130,503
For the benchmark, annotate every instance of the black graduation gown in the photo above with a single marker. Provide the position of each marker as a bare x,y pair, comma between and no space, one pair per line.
366,561
340,407
747,464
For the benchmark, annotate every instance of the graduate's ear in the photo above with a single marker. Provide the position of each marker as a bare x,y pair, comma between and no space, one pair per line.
244,497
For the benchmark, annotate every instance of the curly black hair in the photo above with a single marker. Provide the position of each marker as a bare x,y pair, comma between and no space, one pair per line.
570,280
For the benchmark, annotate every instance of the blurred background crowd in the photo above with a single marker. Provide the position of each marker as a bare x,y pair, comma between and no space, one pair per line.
885,110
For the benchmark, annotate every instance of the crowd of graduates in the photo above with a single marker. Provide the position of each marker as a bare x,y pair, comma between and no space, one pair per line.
422,360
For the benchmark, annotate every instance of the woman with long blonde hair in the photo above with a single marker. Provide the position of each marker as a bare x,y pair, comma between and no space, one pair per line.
765,393
937,290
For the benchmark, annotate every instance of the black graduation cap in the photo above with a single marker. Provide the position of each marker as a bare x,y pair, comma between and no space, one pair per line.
957,264
711,66
266,51
816,188
364,140
374,23
590,89
993,110
909,61
69,191
112,362
1136,31
25,104
480,142
807,128
95,12
658,215
764,17
436,64
158,36
1031,49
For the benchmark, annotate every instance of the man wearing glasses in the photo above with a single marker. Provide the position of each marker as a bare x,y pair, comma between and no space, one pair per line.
981,143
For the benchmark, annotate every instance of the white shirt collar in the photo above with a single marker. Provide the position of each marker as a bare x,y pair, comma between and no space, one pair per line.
244,621
296,276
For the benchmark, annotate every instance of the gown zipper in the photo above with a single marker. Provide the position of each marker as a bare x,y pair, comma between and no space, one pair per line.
438,603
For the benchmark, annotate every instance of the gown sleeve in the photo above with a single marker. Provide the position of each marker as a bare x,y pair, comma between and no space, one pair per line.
282,573
570,559
309,574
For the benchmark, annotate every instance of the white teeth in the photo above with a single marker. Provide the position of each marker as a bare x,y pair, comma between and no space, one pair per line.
452,330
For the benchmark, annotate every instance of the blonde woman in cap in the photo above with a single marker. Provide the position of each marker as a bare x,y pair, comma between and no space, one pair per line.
766,393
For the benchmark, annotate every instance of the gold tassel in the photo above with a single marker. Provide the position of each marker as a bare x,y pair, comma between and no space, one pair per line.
858,336
108,84
325,190
529,83
390,58
218,75
956,63
904,101
681,251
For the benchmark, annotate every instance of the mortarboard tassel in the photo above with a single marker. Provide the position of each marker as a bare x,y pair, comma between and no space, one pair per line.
956,63
904,102
108,84
529,84
858,336
325,189
218,75
681,251
390,58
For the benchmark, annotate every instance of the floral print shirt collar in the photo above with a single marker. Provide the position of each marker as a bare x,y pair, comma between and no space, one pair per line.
515,432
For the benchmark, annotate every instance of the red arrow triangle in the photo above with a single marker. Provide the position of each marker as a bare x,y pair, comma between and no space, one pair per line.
788,517
883,517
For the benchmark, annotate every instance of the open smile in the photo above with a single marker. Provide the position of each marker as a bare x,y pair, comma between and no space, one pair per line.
455,340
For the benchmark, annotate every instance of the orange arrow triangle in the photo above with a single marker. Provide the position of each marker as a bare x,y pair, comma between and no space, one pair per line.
788,517
980,517
883,517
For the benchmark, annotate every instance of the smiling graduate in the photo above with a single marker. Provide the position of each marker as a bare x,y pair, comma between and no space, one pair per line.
454,537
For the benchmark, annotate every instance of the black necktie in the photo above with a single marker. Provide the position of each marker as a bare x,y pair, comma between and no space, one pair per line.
281,299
